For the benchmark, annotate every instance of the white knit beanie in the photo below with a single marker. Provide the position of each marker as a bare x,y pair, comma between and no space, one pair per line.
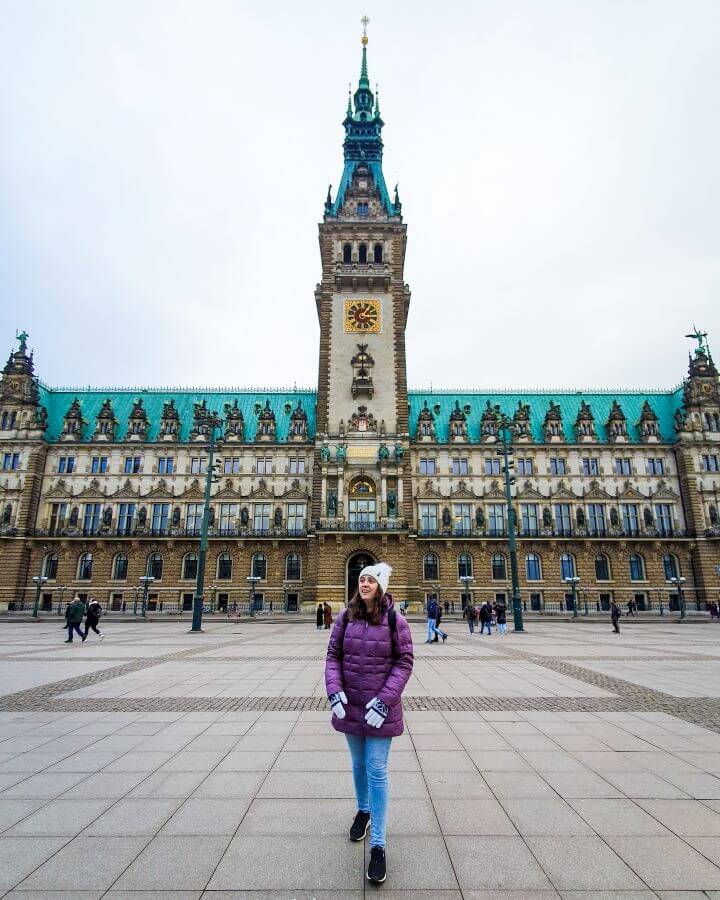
380,572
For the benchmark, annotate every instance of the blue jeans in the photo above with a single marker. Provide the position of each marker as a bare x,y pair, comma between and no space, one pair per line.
74,626
370,777
432,629
484,625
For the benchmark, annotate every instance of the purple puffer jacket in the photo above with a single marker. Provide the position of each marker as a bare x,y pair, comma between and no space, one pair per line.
368,669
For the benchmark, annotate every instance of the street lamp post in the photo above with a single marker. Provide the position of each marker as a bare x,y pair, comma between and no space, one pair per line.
213,422
574,581
60,601
253,579
467,579
145,581
585,598
505,433
678,581
39,580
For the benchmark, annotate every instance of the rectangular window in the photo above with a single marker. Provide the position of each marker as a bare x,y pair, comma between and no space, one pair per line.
66,464
529,518
193,517
98,465
297,465
428,518
664,519
126,517
165,465
590,465
524,466
655,466
557,466
596,518
58,513
263,465
496,518
296,518
363,209
563,521
133,465
160,518
427,466
91,518
492,466
623,466
228,516
458,466
630,518
198,465
709,462
231,465
11,461
462,518
261,517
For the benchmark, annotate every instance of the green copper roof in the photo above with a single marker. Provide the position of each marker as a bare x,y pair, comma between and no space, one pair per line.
441,404
250,402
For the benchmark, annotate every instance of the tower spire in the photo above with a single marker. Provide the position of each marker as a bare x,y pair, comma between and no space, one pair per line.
364,79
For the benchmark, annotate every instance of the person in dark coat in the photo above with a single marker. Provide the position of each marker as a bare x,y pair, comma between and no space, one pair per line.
73,617
433,617
319,617
327,615
485,617
501,618
438,630
369,661
615,616
92,617
469,614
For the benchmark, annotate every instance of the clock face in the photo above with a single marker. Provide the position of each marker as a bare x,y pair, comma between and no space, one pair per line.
362,316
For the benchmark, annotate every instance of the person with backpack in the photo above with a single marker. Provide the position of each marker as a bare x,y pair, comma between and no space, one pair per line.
73,618
438,630
92,617
501,618
485,617
469,614
369,661
433,617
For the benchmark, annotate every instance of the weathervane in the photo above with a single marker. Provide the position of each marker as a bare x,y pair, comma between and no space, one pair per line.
364,22
701,338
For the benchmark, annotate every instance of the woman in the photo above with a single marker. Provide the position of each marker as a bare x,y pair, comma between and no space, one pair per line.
327,615
501,617
319,617
92,617
369,661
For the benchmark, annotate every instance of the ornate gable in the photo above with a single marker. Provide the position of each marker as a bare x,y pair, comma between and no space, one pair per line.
664,492
629,492
227,491
294,492
585,424
648,427
105,423
161,489
92,490
234,422
489,422
59,491
462,492
563,493
495,492
193,491
261,492
616,425
126,492
553,430
458,424
426,424
521,423
138,423
429,492
596,492
528,492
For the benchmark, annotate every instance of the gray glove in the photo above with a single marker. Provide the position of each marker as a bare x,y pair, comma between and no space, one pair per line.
337,704
376,712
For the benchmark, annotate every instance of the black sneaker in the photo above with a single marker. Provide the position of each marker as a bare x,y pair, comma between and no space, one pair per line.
360,826
376,869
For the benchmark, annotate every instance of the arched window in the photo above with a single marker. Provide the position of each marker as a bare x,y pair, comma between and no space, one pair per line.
637,567
120,567
50,566
259,566
362,254
85,567
670,565
602,567
293,567
533,570
498,567
155,566
190,566
465,566
347,253
431,569
224,567
567,566
377,253
362,505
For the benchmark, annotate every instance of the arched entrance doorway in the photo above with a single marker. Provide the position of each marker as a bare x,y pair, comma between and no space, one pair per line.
356,564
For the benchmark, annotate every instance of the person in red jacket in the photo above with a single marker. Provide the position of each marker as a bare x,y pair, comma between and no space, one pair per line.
369,661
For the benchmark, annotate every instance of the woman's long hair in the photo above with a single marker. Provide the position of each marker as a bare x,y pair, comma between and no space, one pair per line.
358,609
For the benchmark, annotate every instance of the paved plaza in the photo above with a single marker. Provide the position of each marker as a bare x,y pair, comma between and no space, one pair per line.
563,762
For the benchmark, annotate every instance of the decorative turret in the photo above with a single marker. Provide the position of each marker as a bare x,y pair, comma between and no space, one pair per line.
19,401
553,430
105,423
298,424
585,425
234,422
201,428
266,429
169,422
699,418
138,422
489,423
425,425
648,427
73,423
458,424
616,425
521,423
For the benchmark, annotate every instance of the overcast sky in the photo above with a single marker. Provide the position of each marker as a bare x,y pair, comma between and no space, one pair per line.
163,167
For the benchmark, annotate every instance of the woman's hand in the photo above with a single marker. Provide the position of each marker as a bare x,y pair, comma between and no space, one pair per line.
376,712
337,704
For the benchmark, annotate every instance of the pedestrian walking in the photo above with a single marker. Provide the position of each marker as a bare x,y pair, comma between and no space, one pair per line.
447,607
319,617
369,661
92,618
452,607
433,614
438,630
501,618
469,614
73,618
615,616
485,617
327,615
631,607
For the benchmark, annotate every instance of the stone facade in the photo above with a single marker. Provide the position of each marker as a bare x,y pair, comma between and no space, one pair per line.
99,489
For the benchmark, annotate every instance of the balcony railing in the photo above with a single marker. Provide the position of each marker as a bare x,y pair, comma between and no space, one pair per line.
370,526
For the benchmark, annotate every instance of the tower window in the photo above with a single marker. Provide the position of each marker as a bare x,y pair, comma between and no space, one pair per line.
362,254
363,209
347,253
377,253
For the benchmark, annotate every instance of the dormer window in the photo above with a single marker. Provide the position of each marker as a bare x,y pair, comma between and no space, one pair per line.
362,210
